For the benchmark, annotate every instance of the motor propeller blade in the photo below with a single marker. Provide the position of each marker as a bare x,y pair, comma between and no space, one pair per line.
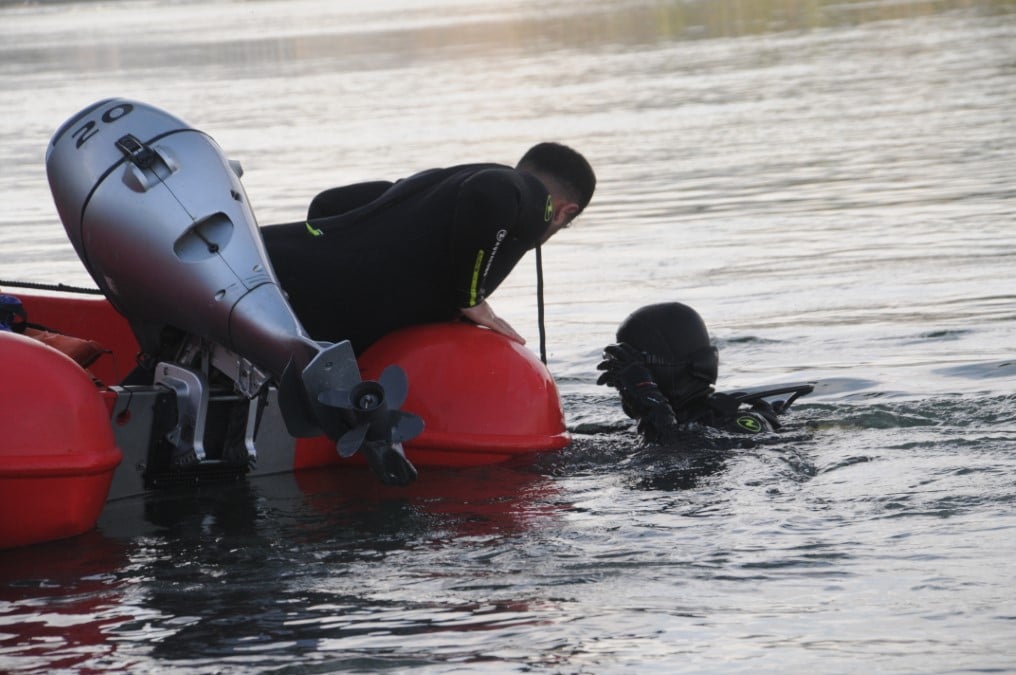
379,428
351,441
405,426
396,386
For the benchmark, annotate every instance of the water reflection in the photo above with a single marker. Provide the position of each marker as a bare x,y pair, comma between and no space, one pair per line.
319,558
60,601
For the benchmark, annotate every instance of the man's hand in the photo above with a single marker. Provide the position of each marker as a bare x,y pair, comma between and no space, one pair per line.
483,315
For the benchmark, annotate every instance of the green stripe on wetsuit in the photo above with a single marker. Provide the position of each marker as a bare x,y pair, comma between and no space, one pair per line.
475,281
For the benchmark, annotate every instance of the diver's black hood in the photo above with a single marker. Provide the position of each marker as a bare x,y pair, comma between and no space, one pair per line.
674,340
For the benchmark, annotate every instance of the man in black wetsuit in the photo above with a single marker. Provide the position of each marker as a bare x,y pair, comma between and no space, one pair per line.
664,367
375,257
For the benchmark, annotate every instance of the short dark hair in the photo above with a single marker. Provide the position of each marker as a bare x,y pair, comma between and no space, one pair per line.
566,165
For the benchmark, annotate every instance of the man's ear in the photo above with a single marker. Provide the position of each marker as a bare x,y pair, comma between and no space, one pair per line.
565,213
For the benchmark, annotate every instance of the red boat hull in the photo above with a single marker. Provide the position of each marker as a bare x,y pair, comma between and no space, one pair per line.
58,452
483,398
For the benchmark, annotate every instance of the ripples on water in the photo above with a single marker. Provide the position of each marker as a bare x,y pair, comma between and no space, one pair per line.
830,184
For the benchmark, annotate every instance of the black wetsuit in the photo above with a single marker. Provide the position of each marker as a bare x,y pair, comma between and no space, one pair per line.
375,257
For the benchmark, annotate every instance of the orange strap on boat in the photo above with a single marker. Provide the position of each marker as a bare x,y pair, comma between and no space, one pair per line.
84,352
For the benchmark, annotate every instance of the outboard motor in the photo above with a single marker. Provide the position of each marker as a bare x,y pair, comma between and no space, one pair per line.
163,225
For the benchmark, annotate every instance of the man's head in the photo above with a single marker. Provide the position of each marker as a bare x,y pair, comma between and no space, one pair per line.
675,344
569,179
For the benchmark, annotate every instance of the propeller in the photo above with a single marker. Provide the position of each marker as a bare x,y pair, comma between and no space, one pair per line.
327,396
379,428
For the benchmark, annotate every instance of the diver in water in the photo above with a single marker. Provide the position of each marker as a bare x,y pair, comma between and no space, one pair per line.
375,257
664,367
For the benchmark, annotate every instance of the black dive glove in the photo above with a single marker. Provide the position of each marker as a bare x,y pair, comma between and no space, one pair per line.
624,368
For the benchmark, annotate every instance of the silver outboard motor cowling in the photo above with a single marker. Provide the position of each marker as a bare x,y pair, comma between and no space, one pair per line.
163,225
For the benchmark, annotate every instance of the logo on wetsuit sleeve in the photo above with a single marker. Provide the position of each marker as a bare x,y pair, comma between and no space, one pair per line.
475,290
749,424
501,234
548,210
